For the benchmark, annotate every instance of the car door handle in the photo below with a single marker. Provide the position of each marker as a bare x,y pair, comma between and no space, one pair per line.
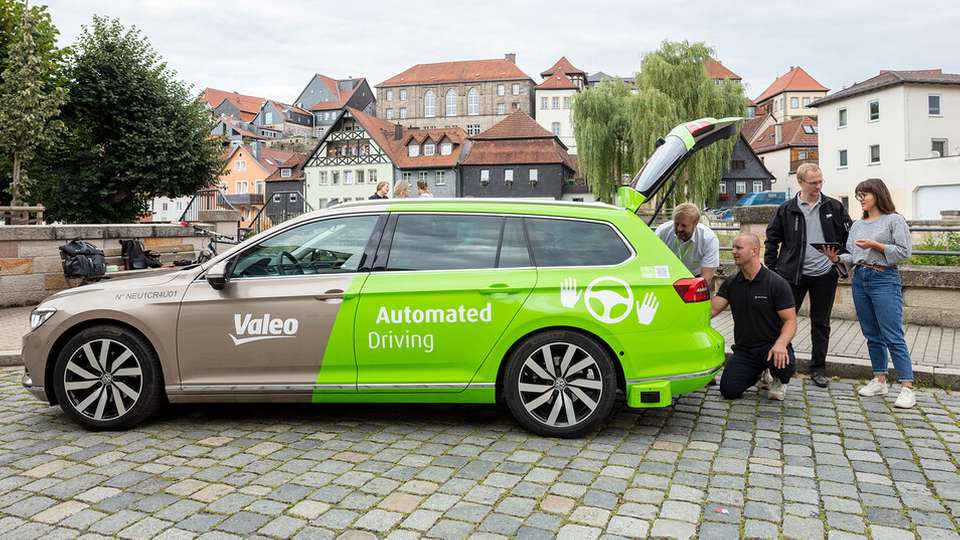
498,289
332,294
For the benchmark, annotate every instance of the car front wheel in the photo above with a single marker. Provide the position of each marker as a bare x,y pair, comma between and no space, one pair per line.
560,384
108,378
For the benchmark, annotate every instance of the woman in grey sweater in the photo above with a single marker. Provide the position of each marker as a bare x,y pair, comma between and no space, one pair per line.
876,244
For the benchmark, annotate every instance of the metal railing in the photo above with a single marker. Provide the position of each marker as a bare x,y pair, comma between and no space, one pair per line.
279,207
205,199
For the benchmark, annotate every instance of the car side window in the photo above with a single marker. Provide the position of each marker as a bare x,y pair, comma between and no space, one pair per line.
329,246
564,242
444,242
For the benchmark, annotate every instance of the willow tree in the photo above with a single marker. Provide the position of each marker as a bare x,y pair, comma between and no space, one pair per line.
602,128
673,87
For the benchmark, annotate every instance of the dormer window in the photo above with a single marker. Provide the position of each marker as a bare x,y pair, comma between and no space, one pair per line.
413,150
446,149
429,149
285,173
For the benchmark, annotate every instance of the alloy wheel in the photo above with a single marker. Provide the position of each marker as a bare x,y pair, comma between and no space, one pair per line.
103,379
560,384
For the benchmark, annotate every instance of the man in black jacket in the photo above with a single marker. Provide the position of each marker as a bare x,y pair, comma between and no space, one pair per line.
810,217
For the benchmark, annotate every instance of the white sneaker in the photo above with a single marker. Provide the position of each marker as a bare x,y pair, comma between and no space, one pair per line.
765,379
874,388
907,398
777,390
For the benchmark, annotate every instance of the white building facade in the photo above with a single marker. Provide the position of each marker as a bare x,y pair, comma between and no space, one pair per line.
554,100
902,127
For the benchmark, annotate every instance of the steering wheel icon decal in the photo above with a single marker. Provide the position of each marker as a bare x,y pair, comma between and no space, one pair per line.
609,299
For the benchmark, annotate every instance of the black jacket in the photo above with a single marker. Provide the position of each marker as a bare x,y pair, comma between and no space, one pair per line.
787,235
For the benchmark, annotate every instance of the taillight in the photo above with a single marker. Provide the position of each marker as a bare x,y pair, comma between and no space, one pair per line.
692,289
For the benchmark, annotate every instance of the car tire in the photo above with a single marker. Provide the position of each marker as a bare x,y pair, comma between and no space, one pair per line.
569,396
116,397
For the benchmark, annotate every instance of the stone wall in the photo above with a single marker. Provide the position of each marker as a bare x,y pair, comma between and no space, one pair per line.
30,264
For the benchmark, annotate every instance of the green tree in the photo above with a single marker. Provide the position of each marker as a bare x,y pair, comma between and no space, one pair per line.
132,132
31,90
602,128
620,128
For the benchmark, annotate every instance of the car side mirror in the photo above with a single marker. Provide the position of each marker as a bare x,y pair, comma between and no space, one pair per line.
217,275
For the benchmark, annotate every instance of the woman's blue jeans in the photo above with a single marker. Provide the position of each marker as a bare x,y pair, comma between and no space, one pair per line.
878,297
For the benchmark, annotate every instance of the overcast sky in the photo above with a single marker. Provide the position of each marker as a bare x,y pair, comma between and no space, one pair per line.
270,48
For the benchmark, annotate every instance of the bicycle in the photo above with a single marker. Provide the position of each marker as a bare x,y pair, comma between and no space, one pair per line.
214,238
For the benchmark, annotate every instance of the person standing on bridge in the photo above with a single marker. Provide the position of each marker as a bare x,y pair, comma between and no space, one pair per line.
877,243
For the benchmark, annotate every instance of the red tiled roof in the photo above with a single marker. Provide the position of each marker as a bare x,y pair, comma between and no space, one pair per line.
342,95
750,127
563,67
461,71
246,104
791,134
518,125
384,134
888,78
795,80
296,162
716,70
557,82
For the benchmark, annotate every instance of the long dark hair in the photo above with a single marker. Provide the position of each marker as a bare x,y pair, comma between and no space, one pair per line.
881,195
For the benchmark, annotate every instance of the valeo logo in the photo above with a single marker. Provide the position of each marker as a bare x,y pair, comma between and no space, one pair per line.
609,300
247,329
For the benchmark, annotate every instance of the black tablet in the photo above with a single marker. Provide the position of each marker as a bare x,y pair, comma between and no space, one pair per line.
820,245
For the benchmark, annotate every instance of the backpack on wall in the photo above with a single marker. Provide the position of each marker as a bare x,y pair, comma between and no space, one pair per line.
135,257
82,259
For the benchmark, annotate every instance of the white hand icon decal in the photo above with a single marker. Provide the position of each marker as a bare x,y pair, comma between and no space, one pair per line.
648,309
569,295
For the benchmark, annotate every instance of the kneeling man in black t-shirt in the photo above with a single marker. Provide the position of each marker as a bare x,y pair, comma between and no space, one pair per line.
764,322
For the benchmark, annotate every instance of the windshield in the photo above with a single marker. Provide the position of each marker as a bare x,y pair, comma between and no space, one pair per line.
661,164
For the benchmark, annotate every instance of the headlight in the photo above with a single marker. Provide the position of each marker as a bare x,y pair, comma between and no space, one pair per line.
39,316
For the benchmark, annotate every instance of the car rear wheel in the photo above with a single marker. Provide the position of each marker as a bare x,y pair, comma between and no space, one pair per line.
560,384
108,378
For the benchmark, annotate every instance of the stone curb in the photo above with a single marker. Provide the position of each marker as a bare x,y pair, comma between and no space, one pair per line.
10,358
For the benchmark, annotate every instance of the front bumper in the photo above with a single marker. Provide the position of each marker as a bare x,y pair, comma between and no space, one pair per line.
654,392
37,390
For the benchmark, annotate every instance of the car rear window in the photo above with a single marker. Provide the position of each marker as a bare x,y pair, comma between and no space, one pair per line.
444,242
562,242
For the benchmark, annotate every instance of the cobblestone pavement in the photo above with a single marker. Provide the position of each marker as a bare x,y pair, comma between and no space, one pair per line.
821,464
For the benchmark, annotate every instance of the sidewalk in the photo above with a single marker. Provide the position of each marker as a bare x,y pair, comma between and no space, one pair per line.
935,350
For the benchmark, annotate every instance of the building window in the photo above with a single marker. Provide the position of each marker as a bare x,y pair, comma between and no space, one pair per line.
407,177
348,178
451,105
429,149
484,176
335,178
515,89
389,114
473,102
441,179
842,158
555,128
276,197
501,90
389,95
873,110
268,118
794,103
285,173
810,130
403,95
422,175
508,177
757,186
359,174
241,187
938,147
543,103
372,175
446,149
534,176
413,150
293,197
933,105
801,154
403,112
738,164
501,108
473,129
322,179
429,104
874,153
240,165
723,188
741,187
842,118
806,102
566,102
555,102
